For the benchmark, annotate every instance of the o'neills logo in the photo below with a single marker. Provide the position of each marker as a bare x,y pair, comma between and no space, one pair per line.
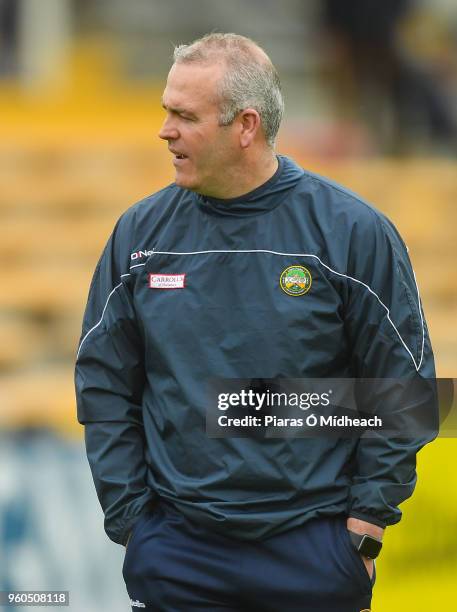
295,280
167,281
140,254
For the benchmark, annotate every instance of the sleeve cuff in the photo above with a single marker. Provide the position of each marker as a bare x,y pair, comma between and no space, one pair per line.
369,518
129,528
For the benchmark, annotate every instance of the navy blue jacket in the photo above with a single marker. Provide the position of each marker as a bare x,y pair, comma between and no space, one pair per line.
146,353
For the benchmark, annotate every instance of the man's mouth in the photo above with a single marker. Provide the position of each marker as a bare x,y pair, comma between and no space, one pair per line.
178,154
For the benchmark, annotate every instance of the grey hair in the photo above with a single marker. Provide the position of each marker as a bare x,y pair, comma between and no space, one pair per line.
250,79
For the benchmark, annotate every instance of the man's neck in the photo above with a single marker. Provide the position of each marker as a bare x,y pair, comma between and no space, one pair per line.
248,177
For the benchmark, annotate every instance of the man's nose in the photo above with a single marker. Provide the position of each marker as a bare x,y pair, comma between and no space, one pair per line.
168,131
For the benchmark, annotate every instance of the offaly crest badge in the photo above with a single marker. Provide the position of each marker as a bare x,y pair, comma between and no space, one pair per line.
295,280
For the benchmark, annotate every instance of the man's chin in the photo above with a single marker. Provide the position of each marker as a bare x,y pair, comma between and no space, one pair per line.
186,182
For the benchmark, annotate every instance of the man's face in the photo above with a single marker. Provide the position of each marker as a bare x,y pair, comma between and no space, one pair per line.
204,152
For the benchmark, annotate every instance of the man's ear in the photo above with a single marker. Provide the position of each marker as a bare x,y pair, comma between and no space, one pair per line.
250,124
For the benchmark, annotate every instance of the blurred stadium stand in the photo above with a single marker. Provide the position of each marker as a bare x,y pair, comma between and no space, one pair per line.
79,117
51,531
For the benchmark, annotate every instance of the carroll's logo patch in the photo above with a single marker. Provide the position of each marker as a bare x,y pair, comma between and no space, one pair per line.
295,280
167,281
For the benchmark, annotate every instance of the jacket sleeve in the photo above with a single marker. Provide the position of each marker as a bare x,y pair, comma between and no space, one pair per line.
389,340
109,380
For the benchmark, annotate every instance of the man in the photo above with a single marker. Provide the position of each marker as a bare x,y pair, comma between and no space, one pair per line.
197,282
